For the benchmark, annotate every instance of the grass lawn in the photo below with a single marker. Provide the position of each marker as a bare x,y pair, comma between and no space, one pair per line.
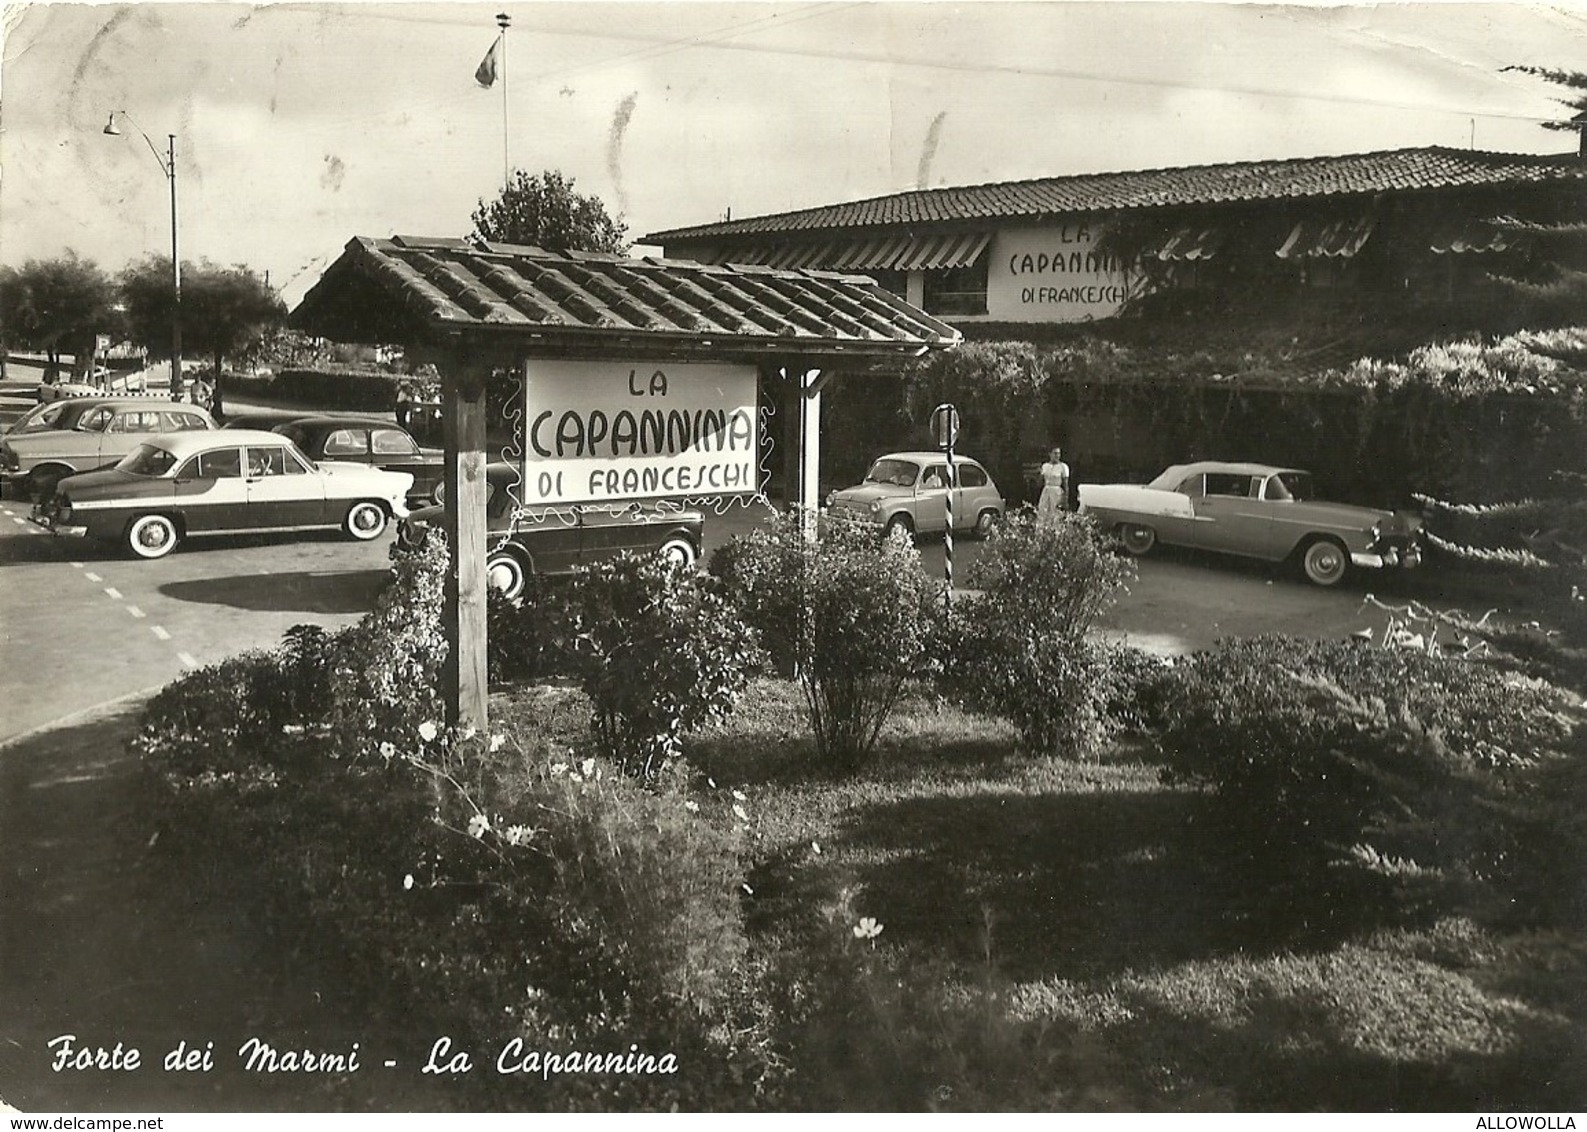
1094,908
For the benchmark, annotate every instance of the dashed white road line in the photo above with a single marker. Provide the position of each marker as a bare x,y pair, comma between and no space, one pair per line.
113,593
159,631
187,661
136,612
93,577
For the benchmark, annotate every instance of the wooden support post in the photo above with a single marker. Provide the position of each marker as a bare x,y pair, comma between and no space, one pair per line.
465,674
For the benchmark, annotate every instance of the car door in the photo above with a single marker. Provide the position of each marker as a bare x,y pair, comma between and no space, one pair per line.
931,497
552,538
282,491
1228,516
211,493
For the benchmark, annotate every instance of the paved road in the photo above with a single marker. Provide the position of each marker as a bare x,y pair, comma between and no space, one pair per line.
83,623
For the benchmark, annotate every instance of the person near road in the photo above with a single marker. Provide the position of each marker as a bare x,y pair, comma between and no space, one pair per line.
202,393
1054,488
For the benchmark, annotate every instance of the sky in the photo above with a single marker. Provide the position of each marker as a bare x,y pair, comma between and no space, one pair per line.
300,126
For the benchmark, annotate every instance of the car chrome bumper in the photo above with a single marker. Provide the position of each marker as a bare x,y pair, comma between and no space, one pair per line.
66,530
1388,558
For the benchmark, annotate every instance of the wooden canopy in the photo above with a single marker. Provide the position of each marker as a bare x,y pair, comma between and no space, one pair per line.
471,308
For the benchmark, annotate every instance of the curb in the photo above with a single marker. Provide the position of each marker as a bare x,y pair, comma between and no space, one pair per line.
81,716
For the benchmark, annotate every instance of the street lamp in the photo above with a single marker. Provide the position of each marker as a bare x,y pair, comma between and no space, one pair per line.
168,167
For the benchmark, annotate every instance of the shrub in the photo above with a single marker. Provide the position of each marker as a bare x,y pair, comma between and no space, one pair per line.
1018,646
658,650
1336,753
251,710
849,614
386,679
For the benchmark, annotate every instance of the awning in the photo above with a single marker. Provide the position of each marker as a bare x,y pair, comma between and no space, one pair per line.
875,253
1192,243
1312,239
1475,237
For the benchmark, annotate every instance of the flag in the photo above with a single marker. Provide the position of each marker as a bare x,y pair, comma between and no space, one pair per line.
485,73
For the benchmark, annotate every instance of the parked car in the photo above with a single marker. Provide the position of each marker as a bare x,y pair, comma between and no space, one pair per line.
64,390
910,490
1257,511
363,440
102,431
224,481
57,415
558,540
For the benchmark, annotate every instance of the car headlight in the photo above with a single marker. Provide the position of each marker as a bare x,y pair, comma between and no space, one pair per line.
831,495
876,505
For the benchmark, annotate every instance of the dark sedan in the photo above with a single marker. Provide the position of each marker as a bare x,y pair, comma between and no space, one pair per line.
543,540
367,440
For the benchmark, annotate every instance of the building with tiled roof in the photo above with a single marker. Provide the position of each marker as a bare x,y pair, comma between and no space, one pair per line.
1076,248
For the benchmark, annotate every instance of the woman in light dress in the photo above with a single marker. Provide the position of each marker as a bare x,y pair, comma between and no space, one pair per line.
1054,489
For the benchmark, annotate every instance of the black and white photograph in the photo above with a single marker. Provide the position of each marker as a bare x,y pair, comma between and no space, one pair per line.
777,557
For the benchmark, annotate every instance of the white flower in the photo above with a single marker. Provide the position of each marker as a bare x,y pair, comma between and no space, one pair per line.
745,886
816,847
478,826
712,781
575,777
428,731
388,751
558,768
740,795
407,882
497,742
519,835
738,812
470,733
692,807
588,768
867,928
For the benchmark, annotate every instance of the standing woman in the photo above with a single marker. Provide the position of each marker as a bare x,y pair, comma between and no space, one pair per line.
1054,489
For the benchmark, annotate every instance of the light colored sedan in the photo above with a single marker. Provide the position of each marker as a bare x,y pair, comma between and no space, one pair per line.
1254,510
910,491
223,481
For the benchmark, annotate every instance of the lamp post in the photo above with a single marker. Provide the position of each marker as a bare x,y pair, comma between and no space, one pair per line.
168,167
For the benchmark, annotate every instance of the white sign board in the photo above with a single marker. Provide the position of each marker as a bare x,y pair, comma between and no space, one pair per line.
614,431
1053,274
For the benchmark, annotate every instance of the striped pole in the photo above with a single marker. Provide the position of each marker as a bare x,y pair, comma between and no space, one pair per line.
947,535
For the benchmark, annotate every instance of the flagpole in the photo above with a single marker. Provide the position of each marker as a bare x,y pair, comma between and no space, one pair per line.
504,21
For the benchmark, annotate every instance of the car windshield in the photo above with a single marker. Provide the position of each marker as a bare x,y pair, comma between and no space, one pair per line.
899,473
147,460
1290,485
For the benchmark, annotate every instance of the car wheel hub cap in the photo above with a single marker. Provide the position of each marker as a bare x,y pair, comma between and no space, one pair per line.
501,577
153,536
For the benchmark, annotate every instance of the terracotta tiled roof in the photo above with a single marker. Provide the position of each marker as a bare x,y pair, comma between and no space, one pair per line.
408,287
1398,170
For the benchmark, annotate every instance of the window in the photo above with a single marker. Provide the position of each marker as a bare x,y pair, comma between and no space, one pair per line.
1192,487
971,475
390,442
936,477
1228,483
224,463
40,419
346,442
181,422
272,462
957,290
95,421
147,460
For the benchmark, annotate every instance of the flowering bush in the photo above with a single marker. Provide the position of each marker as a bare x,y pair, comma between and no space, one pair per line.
1017,646
658,649
849,614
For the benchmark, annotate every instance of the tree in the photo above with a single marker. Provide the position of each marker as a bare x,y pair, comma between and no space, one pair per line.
225,310
543,210
1553,287
56,305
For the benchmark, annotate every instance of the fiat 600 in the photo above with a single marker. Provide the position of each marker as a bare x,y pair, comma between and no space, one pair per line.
1257,511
